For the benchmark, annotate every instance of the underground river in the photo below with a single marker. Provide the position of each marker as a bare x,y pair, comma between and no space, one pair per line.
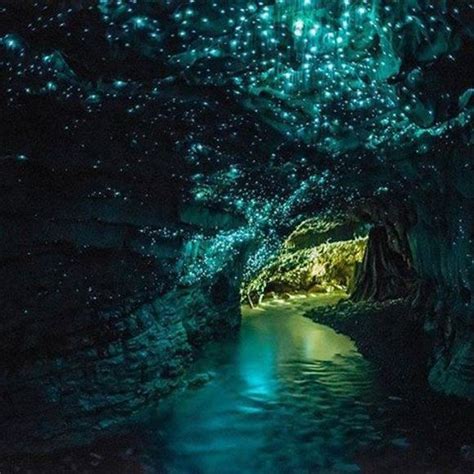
287,395
283,395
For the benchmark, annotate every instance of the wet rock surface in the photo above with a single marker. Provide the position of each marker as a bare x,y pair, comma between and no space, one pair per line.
99,375
94,327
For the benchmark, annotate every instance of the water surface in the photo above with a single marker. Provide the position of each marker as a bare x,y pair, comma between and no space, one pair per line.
283,395
286,395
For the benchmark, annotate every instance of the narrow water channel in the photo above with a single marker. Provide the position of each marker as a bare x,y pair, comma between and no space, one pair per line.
282,396
285,396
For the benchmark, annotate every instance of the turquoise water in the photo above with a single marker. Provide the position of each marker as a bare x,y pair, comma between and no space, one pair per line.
286,395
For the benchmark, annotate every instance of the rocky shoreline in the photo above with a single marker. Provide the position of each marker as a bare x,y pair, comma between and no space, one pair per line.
390,334
384,334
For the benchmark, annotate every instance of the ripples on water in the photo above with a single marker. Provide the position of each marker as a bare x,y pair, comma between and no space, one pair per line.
287,395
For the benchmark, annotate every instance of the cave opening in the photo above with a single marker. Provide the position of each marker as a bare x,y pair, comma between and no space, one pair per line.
316,258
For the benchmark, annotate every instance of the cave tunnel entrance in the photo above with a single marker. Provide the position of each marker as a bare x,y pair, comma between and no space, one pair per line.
315,259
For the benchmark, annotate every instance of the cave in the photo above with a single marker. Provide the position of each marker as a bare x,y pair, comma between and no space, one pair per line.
237,236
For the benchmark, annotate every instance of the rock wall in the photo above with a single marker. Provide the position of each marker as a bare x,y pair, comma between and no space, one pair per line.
384,273
442,246
430,231
95,322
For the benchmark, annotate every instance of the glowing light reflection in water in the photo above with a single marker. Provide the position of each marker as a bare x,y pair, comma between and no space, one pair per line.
286,395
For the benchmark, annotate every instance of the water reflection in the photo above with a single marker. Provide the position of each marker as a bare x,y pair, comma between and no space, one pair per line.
287,395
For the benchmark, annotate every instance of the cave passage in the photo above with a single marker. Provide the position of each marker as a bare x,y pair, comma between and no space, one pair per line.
313,259
164,164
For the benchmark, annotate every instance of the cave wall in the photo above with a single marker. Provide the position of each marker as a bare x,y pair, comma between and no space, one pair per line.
384,273
421,248
441,244
70,381
96,323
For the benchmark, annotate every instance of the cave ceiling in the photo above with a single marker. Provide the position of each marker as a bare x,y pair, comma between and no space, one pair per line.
269,110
